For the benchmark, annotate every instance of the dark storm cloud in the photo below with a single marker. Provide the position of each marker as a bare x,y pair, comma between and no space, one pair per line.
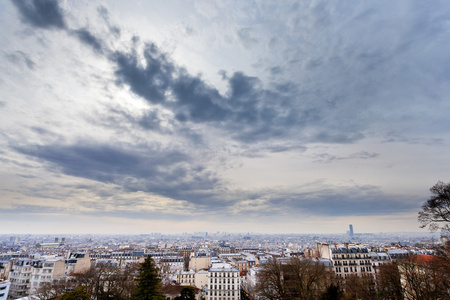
41,13
151,81
196,101
248,112
153,169
151,121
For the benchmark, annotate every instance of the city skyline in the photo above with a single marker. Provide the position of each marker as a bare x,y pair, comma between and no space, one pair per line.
293,117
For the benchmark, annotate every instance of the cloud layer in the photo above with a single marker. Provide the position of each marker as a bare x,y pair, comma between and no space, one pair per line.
311,109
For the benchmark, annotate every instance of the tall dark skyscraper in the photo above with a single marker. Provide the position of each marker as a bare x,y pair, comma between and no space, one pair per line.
351,230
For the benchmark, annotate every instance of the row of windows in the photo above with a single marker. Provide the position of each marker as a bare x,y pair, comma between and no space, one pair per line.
233,287
353,269
224,280
219,293
343,256
345,263
224,274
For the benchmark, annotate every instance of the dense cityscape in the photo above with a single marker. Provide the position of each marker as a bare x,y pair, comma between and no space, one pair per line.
28,262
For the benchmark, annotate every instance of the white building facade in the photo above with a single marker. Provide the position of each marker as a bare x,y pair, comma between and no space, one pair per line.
29,274
224,282
4,289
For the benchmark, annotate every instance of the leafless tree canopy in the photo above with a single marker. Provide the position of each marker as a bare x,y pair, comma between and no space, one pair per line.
102,282
360,287
436,210
425,279
389,282
293,279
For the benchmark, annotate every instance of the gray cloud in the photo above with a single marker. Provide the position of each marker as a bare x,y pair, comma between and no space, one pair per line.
337,82
104,14
87,38
325,157
167,172
19,57
247,37
345,201
150,81
41,13
248,112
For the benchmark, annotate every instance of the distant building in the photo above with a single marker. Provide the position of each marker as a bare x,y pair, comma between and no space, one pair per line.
351,233
5,266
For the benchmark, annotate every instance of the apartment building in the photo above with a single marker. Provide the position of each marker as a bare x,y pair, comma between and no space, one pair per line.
28,275
241,265
77,263
199,261
378,259
347,259
201,280
186,277
4,289
20,278
224,282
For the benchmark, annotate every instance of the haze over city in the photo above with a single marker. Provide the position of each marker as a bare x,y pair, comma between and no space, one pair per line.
129,117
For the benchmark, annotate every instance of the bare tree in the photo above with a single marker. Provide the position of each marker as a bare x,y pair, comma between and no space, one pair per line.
106,282
436,210
293,279
102,282
270,284
55,288
389,282
425,277
360,287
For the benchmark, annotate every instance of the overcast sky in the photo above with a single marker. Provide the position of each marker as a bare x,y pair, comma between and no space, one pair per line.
264,116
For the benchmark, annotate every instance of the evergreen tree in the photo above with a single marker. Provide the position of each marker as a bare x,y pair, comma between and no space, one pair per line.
148,282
